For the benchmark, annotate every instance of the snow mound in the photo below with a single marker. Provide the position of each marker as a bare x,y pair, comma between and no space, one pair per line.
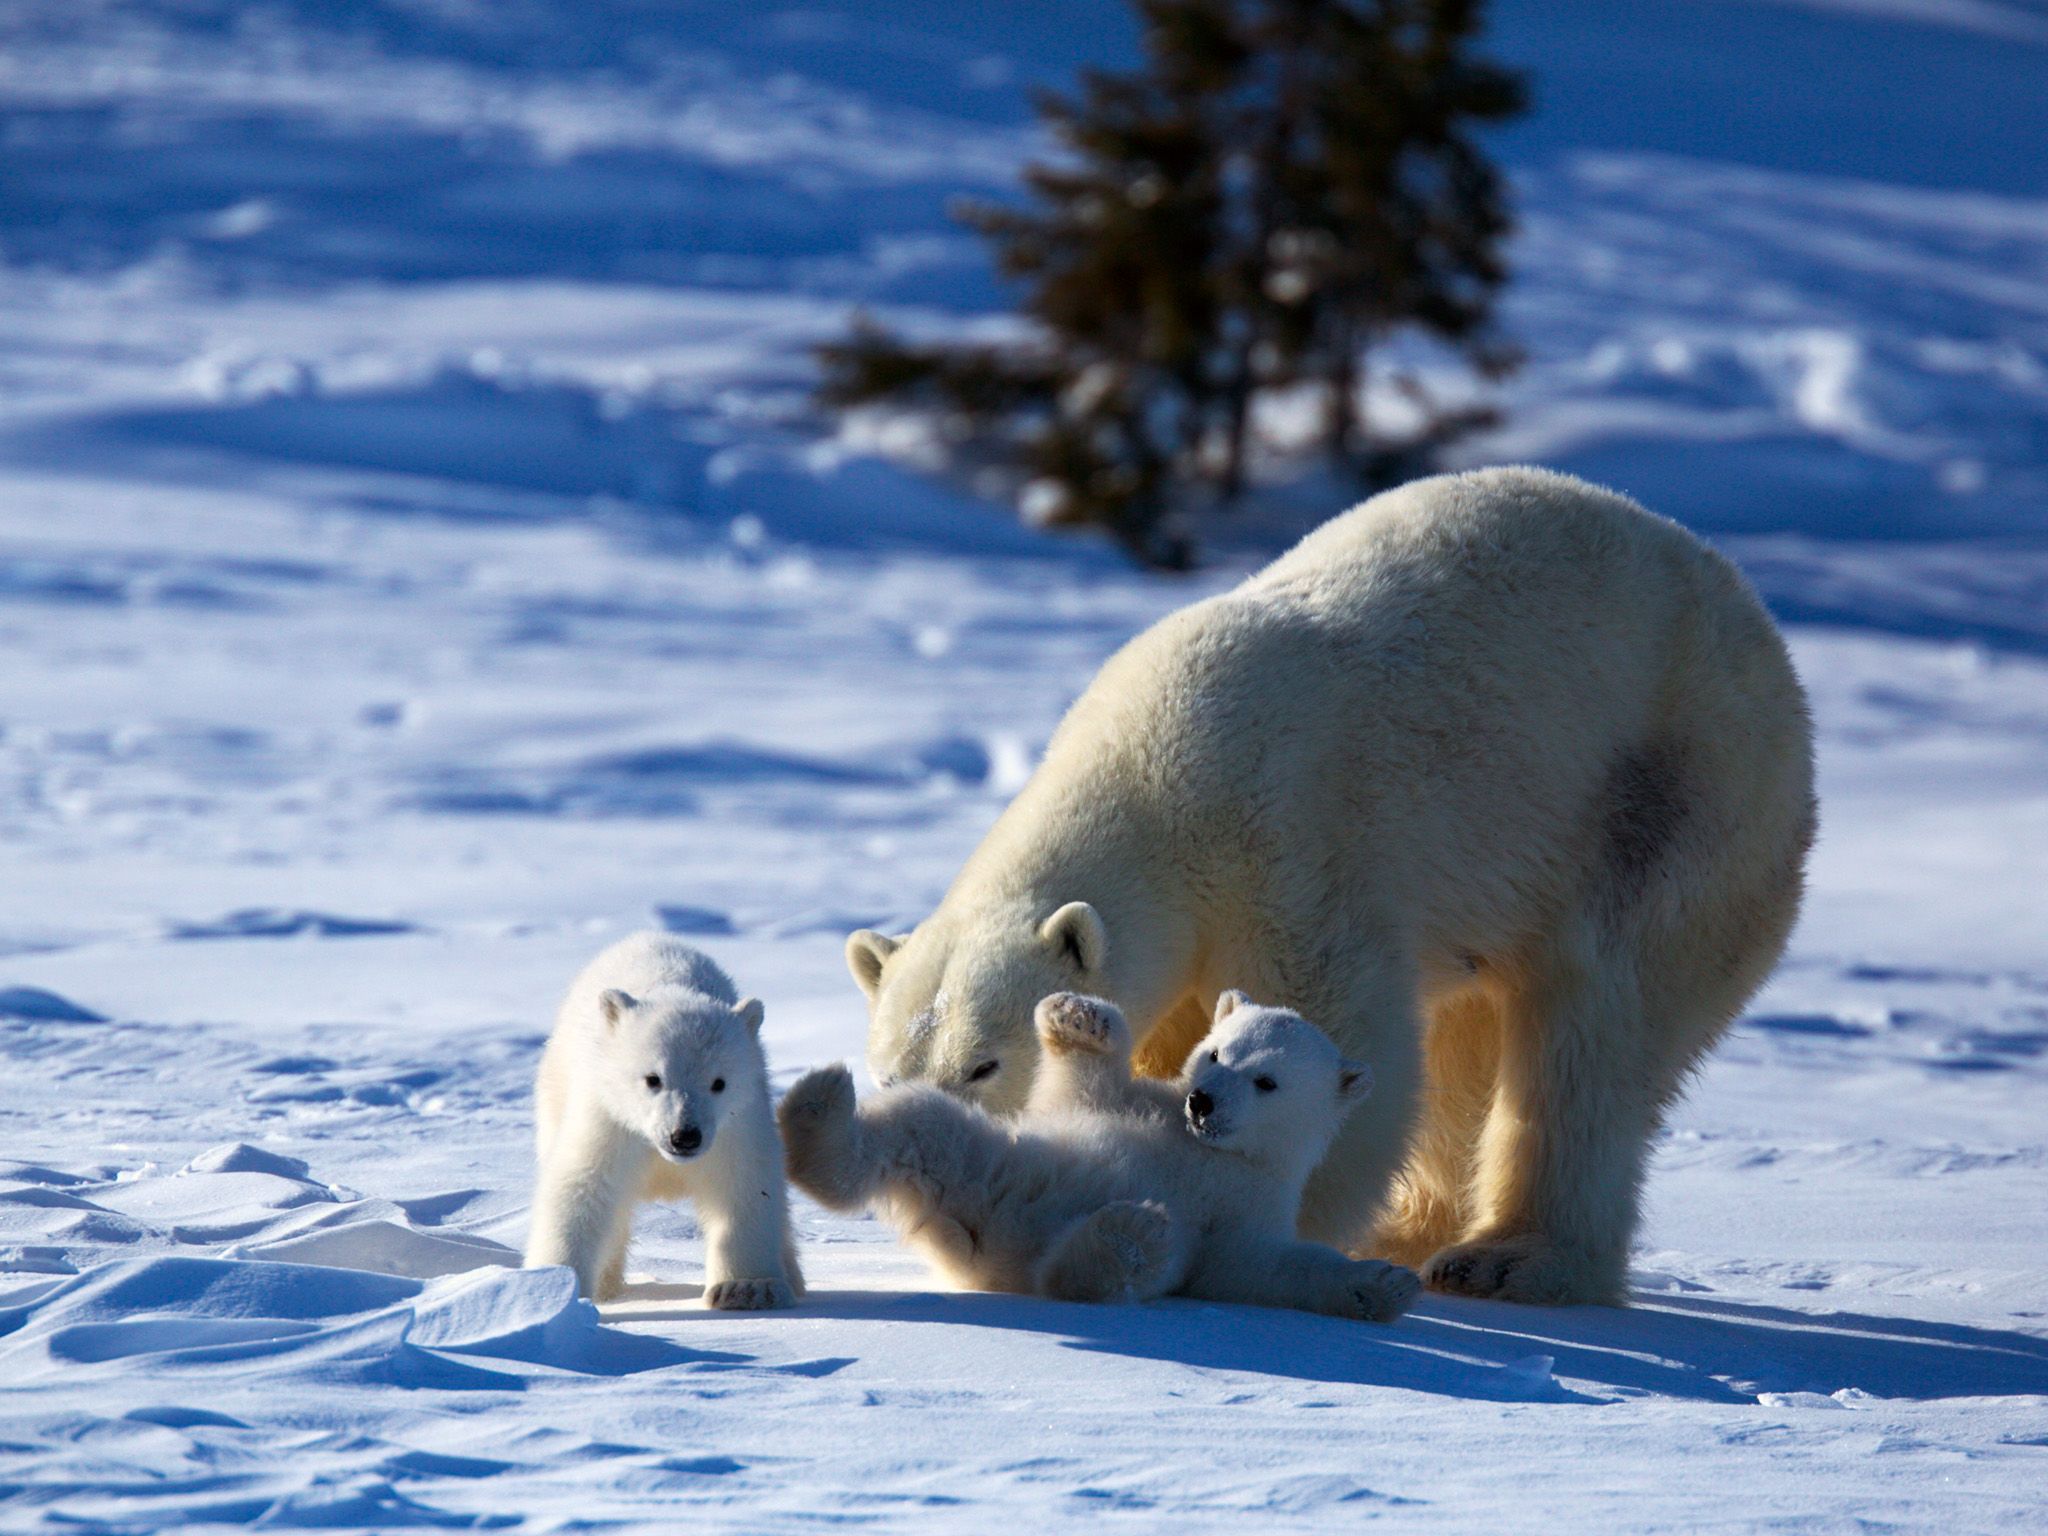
33,1003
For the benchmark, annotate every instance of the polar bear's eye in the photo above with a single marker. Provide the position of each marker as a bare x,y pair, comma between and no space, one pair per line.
718,1085
653,1082
1264,1084
1215,1055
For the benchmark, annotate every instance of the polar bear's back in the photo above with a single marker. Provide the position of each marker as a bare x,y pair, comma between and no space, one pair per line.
1404,665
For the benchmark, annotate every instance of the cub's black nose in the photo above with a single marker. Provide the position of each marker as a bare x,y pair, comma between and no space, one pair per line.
1199,1105
687,1140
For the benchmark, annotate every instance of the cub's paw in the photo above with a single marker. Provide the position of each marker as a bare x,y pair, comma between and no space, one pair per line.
1137,1238
818,1098
1377,1292
1071,1024
1122,1252
818,1135
1526,1269
748,1295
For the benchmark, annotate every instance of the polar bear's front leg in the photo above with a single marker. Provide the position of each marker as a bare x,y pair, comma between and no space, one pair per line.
1086,1053
821,1139
1306,1277
749,1260
582,1205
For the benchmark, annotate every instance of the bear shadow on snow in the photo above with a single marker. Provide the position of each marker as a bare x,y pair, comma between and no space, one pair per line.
1683,1347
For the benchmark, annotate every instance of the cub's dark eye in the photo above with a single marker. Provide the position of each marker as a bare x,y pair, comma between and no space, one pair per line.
984,1072
718,1085
1215,1056
1264,1084
653,1082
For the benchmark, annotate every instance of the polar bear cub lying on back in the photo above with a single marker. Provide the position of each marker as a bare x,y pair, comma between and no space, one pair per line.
654,1087
1110,1188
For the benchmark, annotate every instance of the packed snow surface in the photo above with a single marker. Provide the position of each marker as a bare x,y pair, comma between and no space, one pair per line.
419,566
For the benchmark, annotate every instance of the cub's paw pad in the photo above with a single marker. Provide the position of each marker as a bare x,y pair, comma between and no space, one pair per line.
1070,1022
1524,1269
1137,1235
749,1295
1379,1292
817,1097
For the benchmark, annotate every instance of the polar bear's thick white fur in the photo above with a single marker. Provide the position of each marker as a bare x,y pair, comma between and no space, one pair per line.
1107,1189
1504,781
654,1086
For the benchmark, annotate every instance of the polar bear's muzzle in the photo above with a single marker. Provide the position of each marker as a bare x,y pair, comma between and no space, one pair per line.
683,1143
1204,1119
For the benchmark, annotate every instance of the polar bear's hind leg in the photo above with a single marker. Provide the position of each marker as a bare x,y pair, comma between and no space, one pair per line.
1126,1251
1606,1019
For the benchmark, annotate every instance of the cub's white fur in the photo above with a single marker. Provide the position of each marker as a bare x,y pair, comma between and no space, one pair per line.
1108,1188
654,1087
1502,780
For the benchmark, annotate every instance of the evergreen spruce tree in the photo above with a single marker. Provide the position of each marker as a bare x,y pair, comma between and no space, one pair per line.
1282,187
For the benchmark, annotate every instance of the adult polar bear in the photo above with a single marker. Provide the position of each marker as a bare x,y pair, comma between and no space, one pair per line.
1500,779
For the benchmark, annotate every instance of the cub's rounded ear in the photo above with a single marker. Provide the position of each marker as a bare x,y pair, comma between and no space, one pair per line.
866,953
1076,931
1228,1002
1354,1083
750,1013
613,1005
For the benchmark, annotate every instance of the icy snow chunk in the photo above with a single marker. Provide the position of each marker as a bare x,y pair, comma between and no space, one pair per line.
1800,1400
33,1003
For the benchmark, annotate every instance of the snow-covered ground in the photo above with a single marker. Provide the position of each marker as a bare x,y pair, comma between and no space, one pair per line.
417,567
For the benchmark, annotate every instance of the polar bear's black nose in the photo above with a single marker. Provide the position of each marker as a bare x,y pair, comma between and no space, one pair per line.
686,1140
1199,1105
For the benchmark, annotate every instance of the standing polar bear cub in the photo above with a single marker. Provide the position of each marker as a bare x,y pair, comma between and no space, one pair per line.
653,1086
1109,1189
1502,780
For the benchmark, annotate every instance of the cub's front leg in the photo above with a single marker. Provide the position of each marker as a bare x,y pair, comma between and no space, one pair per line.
1085,1056
749,1259
1306,1277
590,1177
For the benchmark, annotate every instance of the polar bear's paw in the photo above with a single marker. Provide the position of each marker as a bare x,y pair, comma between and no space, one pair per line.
1378,1292
818,1135
748,1295
1070,1024
1528,1269
1123,1252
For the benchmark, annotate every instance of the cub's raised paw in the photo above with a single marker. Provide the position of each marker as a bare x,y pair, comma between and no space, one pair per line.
1069,1023
820,1096
1378,1292
749,1295
819,1137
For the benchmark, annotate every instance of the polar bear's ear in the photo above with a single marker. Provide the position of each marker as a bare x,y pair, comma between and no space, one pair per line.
1354,1083
866,953
1228,1002
750,1013
1076,931
612,1004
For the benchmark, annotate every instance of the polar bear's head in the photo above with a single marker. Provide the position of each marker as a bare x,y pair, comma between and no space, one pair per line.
673,1062
951,1004
1269,1085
